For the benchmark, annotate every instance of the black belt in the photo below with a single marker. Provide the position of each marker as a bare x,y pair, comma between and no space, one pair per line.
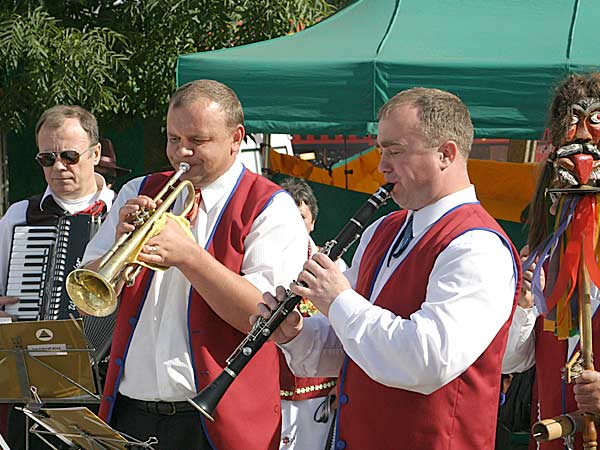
158,408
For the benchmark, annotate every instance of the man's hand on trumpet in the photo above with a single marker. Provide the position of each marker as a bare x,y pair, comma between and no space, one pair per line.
171,247
128,213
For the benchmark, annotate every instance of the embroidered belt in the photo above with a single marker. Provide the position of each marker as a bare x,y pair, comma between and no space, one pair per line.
308,389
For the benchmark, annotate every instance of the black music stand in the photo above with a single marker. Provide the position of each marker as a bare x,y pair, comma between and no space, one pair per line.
80,428
50,361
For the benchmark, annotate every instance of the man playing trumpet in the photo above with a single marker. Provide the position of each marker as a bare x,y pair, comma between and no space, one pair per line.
176,328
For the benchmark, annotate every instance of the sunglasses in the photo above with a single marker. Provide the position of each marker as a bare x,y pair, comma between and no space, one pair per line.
69,157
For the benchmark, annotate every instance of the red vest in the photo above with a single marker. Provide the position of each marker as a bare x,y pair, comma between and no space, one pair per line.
460,415
550,358
248,416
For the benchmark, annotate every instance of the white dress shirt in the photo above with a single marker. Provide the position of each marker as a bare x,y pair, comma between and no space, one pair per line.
469,297
16,215
520,348
158,364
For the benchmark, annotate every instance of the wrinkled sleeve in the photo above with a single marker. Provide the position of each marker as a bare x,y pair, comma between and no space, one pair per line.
277,245
520,347
469,298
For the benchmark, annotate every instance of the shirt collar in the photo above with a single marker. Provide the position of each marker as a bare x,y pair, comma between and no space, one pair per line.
103,193
425,217
214,192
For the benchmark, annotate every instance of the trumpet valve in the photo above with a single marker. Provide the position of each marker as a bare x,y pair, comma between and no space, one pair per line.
140,217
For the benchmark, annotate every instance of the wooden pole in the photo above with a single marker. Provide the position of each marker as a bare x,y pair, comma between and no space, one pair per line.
589,434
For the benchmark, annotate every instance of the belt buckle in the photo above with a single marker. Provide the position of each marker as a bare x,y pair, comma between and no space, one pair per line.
173,409
161,408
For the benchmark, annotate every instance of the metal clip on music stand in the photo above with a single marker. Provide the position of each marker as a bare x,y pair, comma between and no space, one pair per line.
80,428
50,361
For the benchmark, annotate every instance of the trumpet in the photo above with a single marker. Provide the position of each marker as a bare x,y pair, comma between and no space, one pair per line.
206,401
94,291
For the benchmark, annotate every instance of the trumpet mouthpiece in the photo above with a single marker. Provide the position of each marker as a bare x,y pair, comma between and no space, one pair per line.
184,167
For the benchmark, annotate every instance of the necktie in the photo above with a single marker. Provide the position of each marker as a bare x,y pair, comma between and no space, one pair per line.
194,212
403,240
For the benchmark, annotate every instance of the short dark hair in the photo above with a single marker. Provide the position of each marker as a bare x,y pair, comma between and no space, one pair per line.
301,192
442,116
212,90
54,118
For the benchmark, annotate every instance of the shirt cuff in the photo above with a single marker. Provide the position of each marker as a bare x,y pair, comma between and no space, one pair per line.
525,316
301,346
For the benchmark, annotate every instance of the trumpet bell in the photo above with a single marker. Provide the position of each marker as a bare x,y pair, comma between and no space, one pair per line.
91,292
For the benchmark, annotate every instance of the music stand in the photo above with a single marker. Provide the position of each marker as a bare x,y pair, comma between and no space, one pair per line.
50,361
80,428
51,356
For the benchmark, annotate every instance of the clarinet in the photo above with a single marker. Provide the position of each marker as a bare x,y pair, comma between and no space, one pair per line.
206,401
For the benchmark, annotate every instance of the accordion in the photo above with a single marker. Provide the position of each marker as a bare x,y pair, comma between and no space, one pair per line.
41,258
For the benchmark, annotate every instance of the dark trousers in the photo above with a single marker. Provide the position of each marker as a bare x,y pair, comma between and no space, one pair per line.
181,430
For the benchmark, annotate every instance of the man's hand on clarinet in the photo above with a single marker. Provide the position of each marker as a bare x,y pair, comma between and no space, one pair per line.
322,280
290,327
587,391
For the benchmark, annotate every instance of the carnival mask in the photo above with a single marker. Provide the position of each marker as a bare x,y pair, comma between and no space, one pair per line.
577,161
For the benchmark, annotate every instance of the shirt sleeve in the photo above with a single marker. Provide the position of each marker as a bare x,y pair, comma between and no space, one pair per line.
104,239
277,246
317,351
520,347
469,297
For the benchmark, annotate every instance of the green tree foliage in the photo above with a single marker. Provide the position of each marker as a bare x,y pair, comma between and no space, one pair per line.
43,64
118,58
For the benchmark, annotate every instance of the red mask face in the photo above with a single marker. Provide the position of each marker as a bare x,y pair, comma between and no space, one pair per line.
578,159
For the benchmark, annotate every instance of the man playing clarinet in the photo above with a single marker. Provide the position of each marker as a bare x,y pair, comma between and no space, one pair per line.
417,326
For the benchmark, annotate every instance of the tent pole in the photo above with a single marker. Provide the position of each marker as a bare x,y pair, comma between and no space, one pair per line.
266,148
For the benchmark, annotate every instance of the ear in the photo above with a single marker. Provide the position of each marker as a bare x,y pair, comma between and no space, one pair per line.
237,137
447,153
97,153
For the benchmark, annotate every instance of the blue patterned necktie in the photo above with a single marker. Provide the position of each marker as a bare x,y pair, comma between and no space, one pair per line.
403,240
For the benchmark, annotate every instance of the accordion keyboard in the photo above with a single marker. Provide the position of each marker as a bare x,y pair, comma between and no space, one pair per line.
29,262
41,258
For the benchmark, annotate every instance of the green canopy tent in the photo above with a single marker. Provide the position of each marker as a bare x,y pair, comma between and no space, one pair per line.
501,57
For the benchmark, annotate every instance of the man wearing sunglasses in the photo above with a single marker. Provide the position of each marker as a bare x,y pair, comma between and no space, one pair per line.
68,151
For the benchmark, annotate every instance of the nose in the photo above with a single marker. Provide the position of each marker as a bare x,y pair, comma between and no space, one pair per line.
582,133
383,166
59,164
185,150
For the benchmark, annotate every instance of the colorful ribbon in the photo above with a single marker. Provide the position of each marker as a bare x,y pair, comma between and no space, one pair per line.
574,241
